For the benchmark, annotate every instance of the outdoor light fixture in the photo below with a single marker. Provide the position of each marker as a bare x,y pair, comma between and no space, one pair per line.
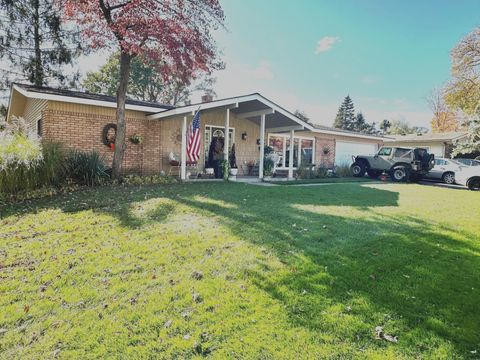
244,135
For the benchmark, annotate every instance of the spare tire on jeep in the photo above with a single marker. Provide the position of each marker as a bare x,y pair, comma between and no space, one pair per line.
358,169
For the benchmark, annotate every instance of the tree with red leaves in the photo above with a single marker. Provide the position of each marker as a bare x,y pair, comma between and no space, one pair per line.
175,34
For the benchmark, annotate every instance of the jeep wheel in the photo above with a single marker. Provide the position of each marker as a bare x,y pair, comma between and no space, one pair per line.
358,169
399,174
448,178
474,184
374,173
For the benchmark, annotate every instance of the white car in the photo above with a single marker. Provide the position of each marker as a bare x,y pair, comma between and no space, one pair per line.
469,177
444,170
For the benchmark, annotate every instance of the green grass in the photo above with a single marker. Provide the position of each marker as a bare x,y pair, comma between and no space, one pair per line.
286,272
327,180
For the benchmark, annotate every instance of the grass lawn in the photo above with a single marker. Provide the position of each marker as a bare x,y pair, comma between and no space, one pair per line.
240,271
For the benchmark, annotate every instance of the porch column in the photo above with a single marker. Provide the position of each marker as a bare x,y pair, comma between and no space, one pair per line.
290,155
226,144
183,166
262,146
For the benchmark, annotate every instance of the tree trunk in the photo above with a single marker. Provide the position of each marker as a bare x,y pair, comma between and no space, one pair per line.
37,67
125,60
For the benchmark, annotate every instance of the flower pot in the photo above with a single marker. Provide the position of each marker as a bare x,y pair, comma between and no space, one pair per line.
233,171
209,171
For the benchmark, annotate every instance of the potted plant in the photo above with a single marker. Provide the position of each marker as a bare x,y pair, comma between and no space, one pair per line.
233,162
268,165
136,139
225,167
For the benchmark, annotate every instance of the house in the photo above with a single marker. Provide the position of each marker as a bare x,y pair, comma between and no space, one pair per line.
439,144
83,121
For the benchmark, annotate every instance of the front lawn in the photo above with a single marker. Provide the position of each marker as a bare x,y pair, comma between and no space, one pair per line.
240,271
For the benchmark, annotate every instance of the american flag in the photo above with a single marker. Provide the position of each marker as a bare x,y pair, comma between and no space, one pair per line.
193,139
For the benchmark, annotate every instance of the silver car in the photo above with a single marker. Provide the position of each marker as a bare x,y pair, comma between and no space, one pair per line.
444,170
469,177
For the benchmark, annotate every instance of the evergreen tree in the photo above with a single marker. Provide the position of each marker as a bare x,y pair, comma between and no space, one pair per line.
360,123
34,43
345,118
340,118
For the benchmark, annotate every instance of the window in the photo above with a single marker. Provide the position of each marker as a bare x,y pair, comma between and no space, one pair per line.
399,152
39,127
384,151
303,149
440,162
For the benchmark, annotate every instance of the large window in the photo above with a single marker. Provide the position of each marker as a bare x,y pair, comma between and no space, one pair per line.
303,149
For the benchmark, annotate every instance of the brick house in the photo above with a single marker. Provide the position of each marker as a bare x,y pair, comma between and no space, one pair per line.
79,119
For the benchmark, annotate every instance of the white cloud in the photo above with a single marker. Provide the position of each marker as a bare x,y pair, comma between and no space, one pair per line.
326,43
369,79
263,71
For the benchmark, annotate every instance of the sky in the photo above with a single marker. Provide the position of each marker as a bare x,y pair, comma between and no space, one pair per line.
309,54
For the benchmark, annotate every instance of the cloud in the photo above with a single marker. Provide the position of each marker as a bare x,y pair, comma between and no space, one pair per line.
369,79
326,43
262,72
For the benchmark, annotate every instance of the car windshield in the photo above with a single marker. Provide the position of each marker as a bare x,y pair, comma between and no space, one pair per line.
385,151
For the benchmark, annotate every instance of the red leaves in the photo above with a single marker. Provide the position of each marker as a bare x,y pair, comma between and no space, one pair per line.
175,34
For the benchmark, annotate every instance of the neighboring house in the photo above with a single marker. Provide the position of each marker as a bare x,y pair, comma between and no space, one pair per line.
439,144
79,120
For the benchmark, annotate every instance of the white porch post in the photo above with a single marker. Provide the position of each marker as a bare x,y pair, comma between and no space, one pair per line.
262,146
290,155
183,167
226,145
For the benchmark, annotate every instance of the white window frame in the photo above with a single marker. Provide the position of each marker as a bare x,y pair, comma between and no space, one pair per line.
209,128
299,153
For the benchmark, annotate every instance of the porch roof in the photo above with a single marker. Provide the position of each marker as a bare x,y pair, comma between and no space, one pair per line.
247,107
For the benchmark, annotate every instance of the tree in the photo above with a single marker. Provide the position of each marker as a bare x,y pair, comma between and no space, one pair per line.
345,118
444,119
35,44
402,127
145,82
302,115
463,91
174,35
385,126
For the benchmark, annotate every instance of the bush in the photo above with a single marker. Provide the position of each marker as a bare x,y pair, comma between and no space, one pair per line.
52,169
20,155
86,168
343,171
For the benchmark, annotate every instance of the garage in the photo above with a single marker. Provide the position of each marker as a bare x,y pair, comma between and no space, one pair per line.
344,150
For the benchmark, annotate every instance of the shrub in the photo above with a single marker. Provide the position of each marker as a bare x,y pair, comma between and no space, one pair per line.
343,171
86,168
20,155
268,165
52,170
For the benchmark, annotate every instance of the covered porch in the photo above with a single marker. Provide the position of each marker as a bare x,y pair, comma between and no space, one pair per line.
250,122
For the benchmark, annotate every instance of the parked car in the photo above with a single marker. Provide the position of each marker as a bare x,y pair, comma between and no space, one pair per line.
469,162
469,177
444,170
400,163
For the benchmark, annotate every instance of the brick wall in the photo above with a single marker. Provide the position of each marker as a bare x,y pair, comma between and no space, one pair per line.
83,131
322,159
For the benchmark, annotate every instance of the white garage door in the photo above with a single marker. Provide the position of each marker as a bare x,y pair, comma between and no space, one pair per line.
345,150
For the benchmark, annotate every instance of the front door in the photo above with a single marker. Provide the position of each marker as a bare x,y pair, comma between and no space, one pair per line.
215,132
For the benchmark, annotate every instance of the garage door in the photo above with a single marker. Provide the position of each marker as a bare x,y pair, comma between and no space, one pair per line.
345,150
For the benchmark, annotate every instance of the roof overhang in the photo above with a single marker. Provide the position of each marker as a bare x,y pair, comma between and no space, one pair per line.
251,107
75,100
419,139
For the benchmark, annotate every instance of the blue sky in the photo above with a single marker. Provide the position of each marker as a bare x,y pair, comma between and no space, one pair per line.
387,55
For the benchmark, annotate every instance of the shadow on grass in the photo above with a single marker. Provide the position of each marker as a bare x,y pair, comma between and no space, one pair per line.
347,269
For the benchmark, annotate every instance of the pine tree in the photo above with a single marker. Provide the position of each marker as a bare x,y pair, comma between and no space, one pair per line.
340,118
34,43
349,114
345,118
360,123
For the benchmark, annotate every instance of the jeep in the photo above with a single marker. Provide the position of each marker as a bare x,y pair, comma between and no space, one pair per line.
400,163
